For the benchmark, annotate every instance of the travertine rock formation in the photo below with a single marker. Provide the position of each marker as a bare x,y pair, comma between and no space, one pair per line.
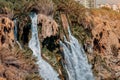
49,26
14,65
6,32
106,41
2,78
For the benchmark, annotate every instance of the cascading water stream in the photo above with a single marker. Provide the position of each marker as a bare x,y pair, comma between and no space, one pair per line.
15,34
15,29
46,71
76,63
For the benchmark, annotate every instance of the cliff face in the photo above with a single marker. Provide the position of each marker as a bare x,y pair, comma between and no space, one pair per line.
49,26
106,45
15,64
6,32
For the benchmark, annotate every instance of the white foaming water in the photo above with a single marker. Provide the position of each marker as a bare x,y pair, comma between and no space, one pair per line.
15,34
76,63
46,71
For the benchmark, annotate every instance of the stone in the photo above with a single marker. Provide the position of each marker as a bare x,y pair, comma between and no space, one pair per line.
2,78
49,26
106,45
6,31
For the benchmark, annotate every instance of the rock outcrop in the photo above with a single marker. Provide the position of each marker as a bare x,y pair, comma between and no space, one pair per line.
49,26
14,65
6,32
106,41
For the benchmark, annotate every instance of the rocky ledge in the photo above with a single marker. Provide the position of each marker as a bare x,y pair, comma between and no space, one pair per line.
105,42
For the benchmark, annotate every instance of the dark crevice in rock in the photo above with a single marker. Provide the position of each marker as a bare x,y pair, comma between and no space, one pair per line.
96,35
3,21
34,10
3,39
100,34
96,44
5,29
25,35
103,47
119,40
105,23
50,43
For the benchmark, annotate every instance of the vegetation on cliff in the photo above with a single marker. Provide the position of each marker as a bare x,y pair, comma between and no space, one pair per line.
113,15
105,41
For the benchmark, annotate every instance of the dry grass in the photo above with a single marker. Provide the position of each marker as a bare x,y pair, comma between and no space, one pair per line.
106,12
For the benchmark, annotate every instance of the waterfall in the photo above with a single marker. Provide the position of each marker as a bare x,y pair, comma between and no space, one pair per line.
15,34
15,29
45,70
76,63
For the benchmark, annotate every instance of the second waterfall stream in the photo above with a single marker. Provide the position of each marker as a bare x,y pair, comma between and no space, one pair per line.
45,70
76,63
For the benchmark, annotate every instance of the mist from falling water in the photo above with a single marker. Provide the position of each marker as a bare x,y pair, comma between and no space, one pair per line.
76,63
45,70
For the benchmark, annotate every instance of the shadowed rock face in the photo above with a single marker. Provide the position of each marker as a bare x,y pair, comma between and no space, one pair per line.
6,32
106,41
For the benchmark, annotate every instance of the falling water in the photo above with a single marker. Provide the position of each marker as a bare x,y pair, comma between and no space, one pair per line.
76,63
15,34
45,69
15,29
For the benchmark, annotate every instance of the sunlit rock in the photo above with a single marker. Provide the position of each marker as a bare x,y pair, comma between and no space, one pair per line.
49,26
6,32
106,44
